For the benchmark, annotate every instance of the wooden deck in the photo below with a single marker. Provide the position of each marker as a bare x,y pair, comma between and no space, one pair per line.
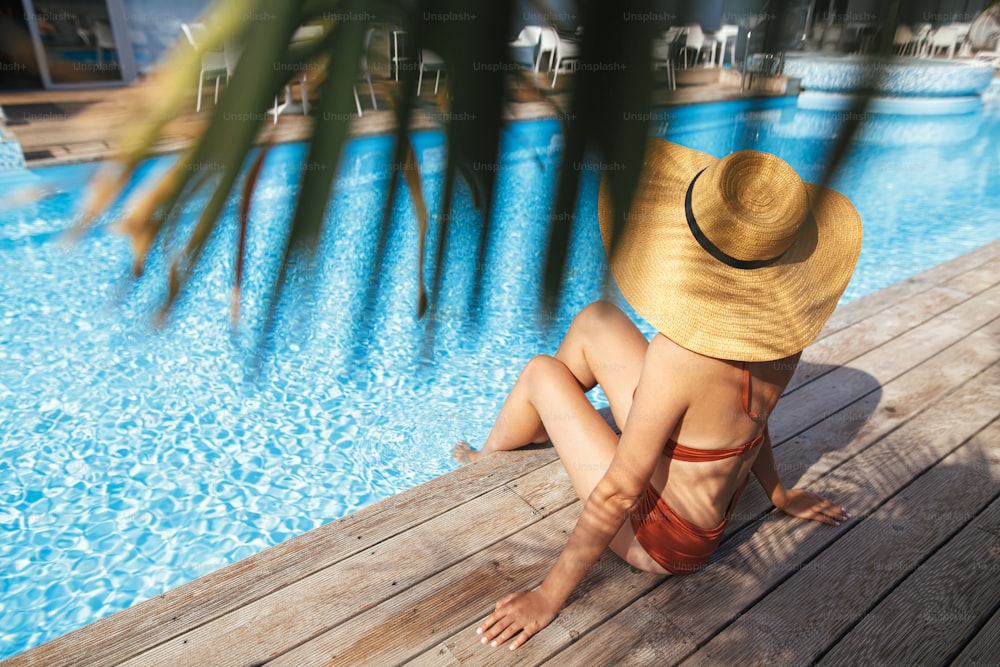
894,412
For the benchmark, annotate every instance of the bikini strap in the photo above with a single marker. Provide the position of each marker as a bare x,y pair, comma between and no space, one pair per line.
746,391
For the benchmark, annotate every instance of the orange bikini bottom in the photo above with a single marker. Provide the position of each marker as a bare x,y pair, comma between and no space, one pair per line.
679,546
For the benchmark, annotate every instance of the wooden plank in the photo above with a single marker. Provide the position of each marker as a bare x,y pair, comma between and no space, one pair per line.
649,648
984,649
753,561
972,282
851,342
546,490
263,629
840,344
927,619
872,304
421,617
913,392
609,585
439,656
128,633
844,385
804,616
810,455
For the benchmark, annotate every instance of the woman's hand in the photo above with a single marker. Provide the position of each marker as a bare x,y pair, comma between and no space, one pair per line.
806,505
526,612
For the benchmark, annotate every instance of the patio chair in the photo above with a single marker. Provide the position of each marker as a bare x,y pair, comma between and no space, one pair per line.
905,39
302,34
922,33
962,39
525,51
104,40
944,38
548,43
694,40
723,36
431,62
663,58
566,52
213,63
365,74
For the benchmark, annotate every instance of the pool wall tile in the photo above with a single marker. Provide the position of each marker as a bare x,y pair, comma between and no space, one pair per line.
11,155
901,77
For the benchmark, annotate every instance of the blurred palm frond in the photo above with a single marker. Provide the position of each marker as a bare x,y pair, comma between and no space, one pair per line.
605,119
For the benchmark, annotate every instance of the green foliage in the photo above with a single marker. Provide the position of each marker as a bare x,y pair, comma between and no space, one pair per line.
610,90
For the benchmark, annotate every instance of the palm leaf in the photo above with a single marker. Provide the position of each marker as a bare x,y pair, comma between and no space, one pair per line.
611,99
606,120
323,156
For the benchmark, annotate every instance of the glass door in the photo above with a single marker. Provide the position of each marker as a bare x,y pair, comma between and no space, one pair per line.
80,43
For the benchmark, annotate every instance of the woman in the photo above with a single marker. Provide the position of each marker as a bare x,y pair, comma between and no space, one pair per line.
738,264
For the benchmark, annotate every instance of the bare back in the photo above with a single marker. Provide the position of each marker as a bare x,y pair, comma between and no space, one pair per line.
716,419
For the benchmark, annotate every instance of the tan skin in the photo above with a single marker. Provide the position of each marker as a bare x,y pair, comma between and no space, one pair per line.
679,394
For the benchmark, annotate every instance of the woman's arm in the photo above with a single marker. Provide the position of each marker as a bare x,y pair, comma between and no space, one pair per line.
766,472
525,613
656,409
795,502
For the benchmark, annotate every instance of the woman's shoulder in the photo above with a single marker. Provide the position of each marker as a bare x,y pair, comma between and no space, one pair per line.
778,371
679,362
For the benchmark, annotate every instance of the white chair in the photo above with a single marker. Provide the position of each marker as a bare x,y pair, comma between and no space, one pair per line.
943,39
663,58
922,33
548,43
365,74
673,34
961,30
694,40
395,51
104,41
904,40
725,36
566,52
432,62
665,49
962,38
524,51
231,57
213,63
302,34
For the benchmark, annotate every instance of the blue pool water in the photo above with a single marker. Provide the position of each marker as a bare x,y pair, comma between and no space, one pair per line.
132,460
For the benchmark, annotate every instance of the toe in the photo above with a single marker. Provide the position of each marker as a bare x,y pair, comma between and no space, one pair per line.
463,453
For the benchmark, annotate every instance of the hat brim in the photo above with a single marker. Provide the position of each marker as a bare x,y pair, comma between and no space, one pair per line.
712,308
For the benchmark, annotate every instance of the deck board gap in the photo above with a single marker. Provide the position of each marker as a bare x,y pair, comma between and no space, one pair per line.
913,569
794,386
790,436
854,523
959,650
928,321
353,554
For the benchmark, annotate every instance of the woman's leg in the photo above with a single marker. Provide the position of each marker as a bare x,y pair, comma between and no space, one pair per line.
585,443
602,347
549,401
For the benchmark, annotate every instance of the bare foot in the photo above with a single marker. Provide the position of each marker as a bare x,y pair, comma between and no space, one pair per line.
464,453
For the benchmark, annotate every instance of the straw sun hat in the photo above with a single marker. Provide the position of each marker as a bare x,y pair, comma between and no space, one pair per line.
735,258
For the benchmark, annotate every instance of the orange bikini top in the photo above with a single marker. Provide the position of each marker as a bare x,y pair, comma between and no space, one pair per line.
681,453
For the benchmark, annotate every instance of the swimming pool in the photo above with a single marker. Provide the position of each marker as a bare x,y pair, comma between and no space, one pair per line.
133,460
